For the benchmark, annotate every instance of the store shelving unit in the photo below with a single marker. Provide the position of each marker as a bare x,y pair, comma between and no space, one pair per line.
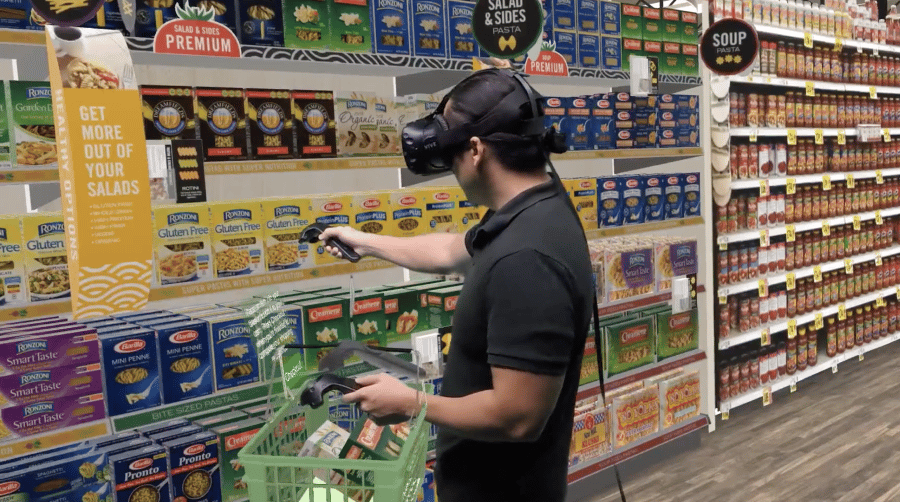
807,179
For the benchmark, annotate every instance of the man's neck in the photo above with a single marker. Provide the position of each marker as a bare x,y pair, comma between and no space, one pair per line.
507,186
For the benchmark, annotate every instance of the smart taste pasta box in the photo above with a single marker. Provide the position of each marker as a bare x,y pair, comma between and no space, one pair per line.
12,263
131,365
237,238
181,243
45,416
40,349
49,384
46,262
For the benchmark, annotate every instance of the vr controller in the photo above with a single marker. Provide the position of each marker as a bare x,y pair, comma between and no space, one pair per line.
314,395
312,232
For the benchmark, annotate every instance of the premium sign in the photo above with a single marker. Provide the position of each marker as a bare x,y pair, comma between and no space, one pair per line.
195,33
507,28
729,47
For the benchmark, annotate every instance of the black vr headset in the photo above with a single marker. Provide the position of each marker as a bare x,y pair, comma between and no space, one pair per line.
429,143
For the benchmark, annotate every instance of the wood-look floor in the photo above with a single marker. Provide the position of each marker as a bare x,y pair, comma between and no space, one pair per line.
836,439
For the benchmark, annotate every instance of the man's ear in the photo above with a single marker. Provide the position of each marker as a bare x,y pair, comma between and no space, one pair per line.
479,151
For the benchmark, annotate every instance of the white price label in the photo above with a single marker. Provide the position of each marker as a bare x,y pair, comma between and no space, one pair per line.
794,382
767,396
725,344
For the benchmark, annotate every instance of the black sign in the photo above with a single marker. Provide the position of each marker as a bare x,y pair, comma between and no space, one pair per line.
507,28
729,47
653,64
187,163
66,13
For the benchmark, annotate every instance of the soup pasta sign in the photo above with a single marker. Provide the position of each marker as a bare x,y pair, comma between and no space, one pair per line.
729,47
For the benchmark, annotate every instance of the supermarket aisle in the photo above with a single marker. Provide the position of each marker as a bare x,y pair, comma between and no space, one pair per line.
836,439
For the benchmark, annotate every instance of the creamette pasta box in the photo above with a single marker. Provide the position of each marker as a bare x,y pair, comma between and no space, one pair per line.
12,263
676,333
369,441
233,437
46,262
635,416
284,220
368,319
131,366
237,238
32,128
334,210
325,320
181,243
629,345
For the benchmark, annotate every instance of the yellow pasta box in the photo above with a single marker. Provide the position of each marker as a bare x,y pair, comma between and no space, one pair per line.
583,194
12,270
469,214
181,243
370,212
46,263
335,210
237,238
440,209
284,220
407,210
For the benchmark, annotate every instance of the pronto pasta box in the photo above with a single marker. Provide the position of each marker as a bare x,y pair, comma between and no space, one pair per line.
194,467
679,399
284,220
357,124
315,124
306,24
140,474
270,119
635,416
181,243
12,263
32,128
629,345
237,238
333,210
49,384
46,262
583,194
235,359
440,209
350,28
407,212
168,112
131,366
184,360
676,333
222,123
391,28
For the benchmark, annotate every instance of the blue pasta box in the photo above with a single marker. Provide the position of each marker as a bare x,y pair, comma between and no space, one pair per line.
131,369
667,102
141,474
645,137
16,15
655,207
194,467
611,49
610,18
588,16
674,192
610,201
344,415
169,435
461,41
667,136
235,360
687,101
567,45
260,22
687,118
633,200
622,101
184,360
390,26
588,50
687,136
225,12
429,29
625,138
554,113
564,15
625,119
577,124
691,184
603,122
34,481
645,116
667,119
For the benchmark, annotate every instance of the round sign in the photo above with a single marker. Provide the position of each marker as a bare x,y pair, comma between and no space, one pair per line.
73,13
729,47
507,28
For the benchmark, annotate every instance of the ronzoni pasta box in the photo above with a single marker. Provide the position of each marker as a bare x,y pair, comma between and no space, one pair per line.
285,219
387,118
32,128
45,257
12,261
357,124
181,243
223,123
237,238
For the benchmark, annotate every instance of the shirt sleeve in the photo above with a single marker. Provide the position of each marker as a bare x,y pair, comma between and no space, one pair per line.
530,314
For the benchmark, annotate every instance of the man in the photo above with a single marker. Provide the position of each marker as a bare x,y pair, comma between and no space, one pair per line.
506,410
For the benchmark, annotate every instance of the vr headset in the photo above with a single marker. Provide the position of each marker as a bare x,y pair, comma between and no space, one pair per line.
429,143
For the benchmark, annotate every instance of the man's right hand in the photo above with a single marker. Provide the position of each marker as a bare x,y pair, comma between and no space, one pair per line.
349,236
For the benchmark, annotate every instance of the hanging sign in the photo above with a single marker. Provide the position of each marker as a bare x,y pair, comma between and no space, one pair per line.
105,190
546,61
195,33
507,28
729,47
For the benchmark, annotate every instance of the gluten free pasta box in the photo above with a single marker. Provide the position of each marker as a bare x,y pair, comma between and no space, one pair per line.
12,262
131,365
45,257
284,220
181,243
233,437
237,238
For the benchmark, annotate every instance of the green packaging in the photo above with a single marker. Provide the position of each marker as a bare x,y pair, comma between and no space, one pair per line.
31,129
349,25
670,61
402,313
442,306
631,46
632,22
369,441
629,345
671,26
368,317
653,24
306,24
5,145
689,59
676,333
232,438
689,27
324,320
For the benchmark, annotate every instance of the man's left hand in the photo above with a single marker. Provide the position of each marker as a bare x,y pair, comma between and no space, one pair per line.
386,399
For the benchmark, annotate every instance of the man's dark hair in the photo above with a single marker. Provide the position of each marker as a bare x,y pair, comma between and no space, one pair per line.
473,98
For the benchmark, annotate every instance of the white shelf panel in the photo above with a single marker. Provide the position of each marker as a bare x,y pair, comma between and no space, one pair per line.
775,81
824,39
802,132
807,179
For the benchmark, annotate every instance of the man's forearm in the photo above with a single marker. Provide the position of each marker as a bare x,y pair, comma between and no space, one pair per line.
424,253
477,416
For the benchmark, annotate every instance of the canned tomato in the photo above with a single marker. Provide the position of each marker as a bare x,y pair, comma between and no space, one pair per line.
772,211
734,265
723,267
744,258
781,159
732,215
764,311
753,110
772,111
754,262
754,313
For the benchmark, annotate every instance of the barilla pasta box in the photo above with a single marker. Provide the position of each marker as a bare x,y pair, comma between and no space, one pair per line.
646,137
674,192
691,184
12,263
611,52
325,320
187,430
45,257
667,120
350,28
603,122
583,194
576,125
235,360
45,416
567,45
588,16
554,113
588,50
284,220
131,366
611,202
184,360
306,24
610,18
428,28
32,128
315,124
194,467
271,123
676,333
390,26
237,238
39,481
50,384
461,38
564,14
181,243
22,353
470,215
679,399
654,206
141,473
440,209
370,212
633,200
330,210
232,438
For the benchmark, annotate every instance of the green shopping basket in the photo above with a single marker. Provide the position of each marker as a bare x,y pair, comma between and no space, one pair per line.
274,473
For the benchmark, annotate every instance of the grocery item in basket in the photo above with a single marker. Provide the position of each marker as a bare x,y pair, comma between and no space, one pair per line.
184,360
222,123
32,128
428,28
131,366
440,209
675,257
181,243
306,24
629,345
195,472
357,126
168,112
260,22
369,441
679,399
233,437
325,320
49,384
45,416
237,238
12,262
41,348
330,210
325,442
460,35
141,475
315,124
676,333
235,360
270,119
390,27
350,28
284,220
635,416
45,257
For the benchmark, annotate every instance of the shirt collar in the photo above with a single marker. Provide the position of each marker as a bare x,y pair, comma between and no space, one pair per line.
495,222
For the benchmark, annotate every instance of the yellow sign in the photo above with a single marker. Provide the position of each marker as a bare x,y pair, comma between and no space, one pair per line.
791,281
819,323
826,182
790,233
848,265
879,177
763,287
763,238
841,137
857,222
886,133
842,312
810,88
838,44
792,137
826,229
103,172
792,329
851,183
763,188
791,186
817,273
807,40
872,92
820,137
753,134
764,337
878,260
767,396
879,301
878,219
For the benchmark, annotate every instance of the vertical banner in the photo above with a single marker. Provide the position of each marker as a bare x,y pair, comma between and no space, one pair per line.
102,170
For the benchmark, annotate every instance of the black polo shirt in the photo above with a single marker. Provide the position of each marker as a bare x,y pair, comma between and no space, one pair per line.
525,305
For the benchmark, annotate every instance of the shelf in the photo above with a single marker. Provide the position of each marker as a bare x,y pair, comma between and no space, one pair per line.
780,278
771,80
823,365
749,235
807,179
644,301
636,375
599,233
631,153
782,325
824,39
32,444
802,132
582,471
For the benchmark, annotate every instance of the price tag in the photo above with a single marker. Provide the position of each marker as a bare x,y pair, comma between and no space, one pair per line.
794,382
838,44
723,299
851,183
763,188
790,233
826,229
791,186
848,266
897,291
842,312
878,260
820,137
834,367
723,243
810,88
792,137
763,287
862,355
872,92
725,344
886,135
879,177
819,324
764,337
817,273
764,238
767,396
792,329
879,302
750,78
826,182
726,410
874,51
791,281
878,219
857,223
807,40
753,134
841,137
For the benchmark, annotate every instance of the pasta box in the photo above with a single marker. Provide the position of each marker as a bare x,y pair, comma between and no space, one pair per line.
440,208
611,52
576,125
109,444
646,137
631,47
271,123
407,213
194,467
69,347
689,59
588,16
428,28
15,14
50,384
45,257
168,112
676,333
237,238
629,345
610,201
225,12
583,194
567,45
260,23
357,125
564,15
368,316
306,25
632,22
679,399
369,441
222,123
689,27
391,26
141,475
588,50
325,320
32,128
387,118
461,38
401,313
39,480
442,306
126,316
674,258
131,366
674,191
653,24
671,26
235,359
5,145
232,437
635,416
469,215
45,416
633,200
691,184
603,122
284,220
554,113
325,442
330,210
671,58
184,360
12,274
628,271
172,434
181,243
654,207
350,27
151,15
610,18
590,436
315,124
